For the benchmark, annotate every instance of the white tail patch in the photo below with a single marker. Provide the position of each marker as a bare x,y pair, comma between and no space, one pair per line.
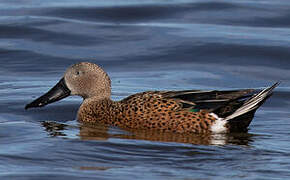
219,124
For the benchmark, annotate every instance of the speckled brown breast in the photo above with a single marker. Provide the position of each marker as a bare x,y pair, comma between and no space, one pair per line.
148,110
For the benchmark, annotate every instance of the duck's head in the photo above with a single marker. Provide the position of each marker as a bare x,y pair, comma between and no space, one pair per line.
84,79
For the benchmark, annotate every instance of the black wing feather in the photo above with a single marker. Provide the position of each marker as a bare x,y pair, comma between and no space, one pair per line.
208,99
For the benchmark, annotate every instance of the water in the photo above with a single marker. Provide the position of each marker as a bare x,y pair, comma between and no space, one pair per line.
143,46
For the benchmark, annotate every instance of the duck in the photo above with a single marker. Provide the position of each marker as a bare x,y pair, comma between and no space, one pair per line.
184,111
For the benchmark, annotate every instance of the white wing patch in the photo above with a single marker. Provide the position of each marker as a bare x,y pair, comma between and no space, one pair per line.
219,124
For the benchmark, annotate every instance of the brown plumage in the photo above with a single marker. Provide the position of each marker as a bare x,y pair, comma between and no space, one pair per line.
190,111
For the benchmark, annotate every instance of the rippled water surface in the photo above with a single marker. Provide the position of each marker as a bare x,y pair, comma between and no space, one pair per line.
143,45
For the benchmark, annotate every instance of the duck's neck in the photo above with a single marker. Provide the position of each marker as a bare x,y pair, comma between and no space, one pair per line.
96,109
96,99
97,95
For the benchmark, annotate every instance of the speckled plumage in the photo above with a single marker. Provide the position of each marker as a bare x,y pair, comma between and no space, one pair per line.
147,110
190,111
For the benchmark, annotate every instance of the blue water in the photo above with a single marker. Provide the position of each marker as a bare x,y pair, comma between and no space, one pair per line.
143,45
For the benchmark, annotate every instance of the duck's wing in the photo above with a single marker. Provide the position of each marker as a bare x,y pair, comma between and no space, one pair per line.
209,100
193,100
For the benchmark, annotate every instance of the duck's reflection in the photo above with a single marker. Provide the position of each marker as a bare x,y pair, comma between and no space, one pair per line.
101,132
54,128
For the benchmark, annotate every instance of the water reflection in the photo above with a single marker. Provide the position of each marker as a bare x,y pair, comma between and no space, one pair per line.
100,132
54,128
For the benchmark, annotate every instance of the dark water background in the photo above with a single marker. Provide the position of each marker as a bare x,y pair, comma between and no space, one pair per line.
143,45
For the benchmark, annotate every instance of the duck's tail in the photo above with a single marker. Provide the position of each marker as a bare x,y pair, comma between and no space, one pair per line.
241,118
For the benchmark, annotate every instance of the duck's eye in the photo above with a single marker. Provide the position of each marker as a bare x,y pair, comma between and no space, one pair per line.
78,73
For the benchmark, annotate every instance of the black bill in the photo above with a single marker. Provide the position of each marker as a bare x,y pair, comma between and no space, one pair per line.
58,92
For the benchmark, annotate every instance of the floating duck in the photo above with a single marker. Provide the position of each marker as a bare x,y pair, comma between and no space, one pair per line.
189,111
